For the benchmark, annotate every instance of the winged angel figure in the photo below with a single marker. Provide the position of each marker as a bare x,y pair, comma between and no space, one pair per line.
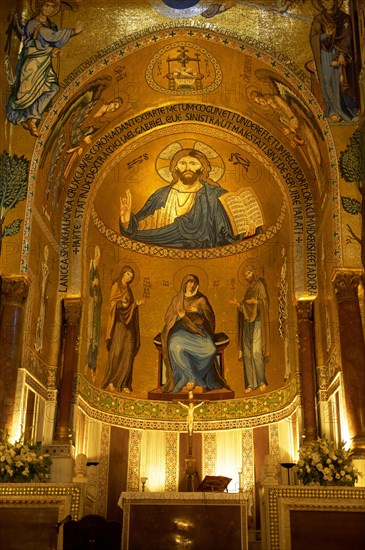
293,117
35,82
207,9
278,6
80,120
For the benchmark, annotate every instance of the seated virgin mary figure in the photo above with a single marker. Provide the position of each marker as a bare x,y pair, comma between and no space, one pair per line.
188,348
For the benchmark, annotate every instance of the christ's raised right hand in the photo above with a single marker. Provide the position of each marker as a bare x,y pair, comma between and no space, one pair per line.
126,208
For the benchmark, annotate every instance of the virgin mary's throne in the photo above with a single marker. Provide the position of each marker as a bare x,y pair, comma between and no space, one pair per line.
221,341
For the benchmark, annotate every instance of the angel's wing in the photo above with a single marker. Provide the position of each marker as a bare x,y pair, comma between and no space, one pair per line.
213,9
15,26
288,94
295,101
85,96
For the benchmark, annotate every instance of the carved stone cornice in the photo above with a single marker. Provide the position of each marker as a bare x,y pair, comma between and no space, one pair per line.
64,497
14,288
73,308
346,285
305,310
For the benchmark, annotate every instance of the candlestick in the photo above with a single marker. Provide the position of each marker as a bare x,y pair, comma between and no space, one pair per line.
240,480
143,481
288,466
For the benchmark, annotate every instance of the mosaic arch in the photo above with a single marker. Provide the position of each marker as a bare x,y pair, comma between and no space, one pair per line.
68,173
117,124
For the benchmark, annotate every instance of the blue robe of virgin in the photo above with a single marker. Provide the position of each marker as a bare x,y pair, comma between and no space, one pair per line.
188,348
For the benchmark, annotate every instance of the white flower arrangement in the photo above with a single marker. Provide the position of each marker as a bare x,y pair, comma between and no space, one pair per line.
323,463
23,461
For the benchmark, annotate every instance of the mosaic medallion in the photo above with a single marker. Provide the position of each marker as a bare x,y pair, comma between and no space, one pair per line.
183,69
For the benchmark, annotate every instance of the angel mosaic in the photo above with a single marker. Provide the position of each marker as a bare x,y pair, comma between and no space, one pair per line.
35,83
79,122
282,103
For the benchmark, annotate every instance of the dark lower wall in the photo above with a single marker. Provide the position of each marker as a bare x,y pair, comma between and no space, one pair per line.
118,470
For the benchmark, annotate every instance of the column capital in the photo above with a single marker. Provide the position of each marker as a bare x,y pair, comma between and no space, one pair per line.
14,288
346,285
305,309
73,308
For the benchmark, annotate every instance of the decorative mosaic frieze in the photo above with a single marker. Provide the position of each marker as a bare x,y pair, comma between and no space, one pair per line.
248,468
103,470
60,451
134,454
274,445
42,375
36,386
171,460
209,453
164,415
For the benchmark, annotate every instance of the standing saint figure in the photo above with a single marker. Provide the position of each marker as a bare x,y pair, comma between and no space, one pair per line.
36,82
188,348
253,331
94,310
39,330
332,45
123,335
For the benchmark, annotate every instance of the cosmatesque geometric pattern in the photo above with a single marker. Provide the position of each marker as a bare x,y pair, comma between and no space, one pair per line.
103,471
209,454
135,440
171,460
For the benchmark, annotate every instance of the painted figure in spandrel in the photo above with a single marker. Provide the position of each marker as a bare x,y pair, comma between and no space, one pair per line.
332,45
36,82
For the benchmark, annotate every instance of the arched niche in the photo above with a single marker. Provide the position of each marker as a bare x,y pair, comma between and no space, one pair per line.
255,113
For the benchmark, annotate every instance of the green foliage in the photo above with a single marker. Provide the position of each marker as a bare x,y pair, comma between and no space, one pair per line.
13,181
352,159
351,206
13,189
12,228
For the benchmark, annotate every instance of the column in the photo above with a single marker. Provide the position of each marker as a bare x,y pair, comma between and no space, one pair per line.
69,364
352,356
307,369
14,291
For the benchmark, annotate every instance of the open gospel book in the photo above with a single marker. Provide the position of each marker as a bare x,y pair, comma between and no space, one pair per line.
243,210
217,484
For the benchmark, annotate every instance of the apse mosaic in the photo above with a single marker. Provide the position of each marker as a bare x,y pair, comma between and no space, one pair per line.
176,186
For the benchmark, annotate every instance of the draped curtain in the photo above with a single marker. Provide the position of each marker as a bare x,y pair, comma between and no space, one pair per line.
152,463
229,456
